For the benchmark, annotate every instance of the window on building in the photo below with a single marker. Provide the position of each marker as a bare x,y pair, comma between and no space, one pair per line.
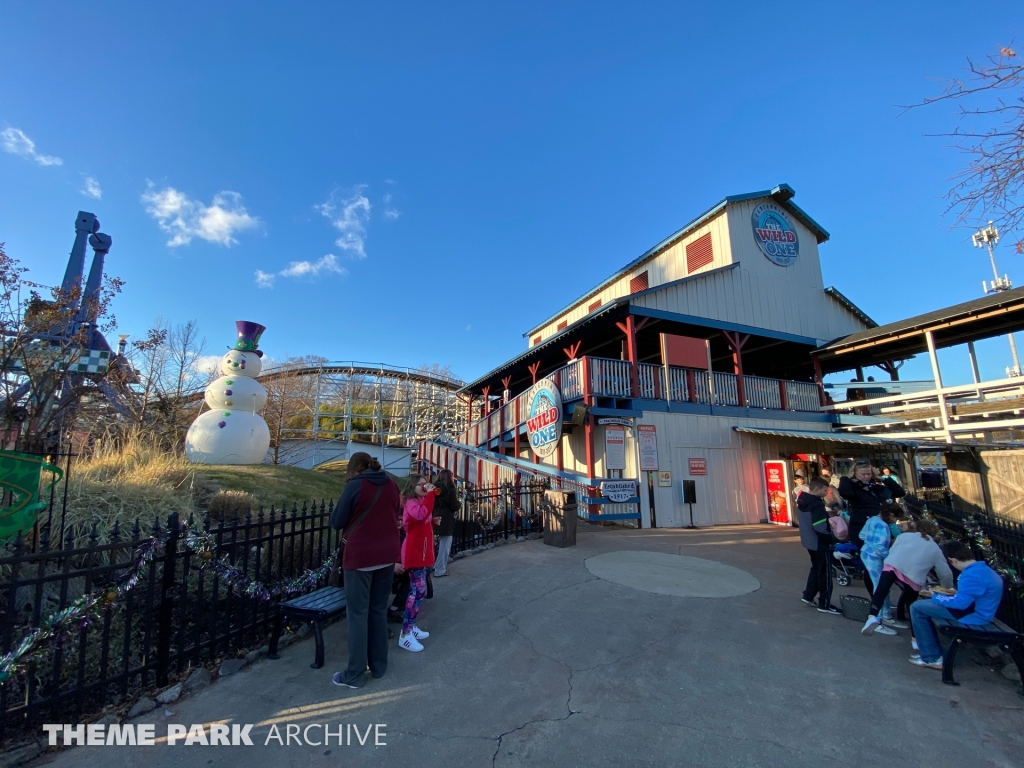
563,324
594,306
536,340
699,253
639,283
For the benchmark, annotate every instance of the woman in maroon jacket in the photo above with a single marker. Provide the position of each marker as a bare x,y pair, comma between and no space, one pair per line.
368,516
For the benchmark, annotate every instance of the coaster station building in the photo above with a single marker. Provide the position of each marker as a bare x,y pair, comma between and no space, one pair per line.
685,375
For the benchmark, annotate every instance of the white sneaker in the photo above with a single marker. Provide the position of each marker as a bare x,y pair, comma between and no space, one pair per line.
913,644
896,623
419,634
881,629
871,625
410,643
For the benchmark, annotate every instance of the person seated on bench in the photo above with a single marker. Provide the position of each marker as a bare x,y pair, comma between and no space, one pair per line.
910,559
979,592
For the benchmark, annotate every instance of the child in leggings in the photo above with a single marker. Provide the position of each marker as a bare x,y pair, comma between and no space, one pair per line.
417,555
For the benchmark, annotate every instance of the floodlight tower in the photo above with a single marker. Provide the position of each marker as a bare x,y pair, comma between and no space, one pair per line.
988,237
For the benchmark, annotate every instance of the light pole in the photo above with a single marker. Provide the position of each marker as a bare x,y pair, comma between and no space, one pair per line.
988,237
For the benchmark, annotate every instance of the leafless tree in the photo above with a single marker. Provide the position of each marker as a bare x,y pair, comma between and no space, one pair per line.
291,400
990,100
41,340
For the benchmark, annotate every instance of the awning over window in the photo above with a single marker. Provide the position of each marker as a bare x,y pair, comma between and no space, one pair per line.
829,437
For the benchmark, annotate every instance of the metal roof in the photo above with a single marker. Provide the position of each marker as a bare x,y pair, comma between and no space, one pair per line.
782,194
993,315
831,437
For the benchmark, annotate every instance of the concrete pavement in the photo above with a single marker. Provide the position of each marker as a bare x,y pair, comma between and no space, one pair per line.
534,660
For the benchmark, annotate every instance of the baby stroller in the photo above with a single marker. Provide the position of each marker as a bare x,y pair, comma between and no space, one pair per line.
846,565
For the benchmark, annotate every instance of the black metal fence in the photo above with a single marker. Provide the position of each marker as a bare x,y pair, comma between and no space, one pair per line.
180,615
1007,537
506,511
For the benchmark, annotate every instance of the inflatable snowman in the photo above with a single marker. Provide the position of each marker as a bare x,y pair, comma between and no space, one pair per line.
232,431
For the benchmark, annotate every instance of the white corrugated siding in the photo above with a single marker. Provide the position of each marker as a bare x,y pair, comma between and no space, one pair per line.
731,492
759,293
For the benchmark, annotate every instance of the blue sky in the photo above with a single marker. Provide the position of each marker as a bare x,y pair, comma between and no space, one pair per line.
414,183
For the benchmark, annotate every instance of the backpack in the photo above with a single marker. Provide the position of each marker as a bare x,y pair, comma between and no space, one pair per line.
839,528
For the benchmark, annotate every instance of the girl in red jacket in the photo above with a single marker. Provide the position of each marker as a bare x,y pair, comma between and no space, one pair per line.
417,555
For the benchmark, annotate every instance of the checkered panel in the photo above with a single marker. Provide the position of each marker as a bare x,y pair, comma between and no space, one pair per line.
93,361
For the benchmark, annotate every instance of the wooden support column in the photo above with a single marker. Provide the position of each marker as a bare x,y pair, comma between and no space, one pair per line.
783,397
630,327
892,367
691,386
588,434
533,368
559,458
469,411
515,428
486,392
505,395
736,342
943,415
572,350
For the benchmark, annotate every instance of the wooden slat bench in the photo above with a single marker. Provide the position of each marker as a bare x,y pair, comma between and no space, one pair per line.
993,633
316,607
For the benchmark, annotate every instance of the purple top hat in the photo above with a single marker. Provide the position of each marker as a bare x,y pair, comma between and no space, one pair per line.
249,336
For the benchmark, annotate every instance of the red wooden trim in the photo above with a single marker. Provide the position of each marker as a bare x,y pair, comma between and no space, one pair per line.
586,380
533,368
736,342
515,430
691,385
588,434
572,350
783,399
486,392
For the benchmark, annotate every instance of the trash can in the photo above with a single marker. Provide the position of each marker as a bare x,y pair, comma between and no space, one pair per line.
560,518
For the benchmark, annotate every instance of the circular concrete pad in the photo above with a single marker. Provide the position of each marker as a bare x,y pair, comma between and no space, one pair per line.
678,575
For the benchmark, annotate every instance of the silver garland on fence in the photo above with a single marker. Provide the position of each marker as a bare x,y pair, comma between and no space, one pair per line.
57,628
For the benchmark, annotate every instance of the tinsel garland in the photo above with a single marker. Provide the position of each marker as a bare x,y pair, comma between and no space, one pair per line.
975,529
58,626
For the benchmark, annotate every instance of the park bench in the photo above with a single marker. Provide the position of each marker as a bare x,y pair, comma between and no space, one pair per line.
993,633
316,607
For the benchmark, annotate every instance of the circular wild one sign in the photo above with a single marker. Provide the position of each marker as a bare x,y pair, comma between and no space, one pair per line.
544,417
775,234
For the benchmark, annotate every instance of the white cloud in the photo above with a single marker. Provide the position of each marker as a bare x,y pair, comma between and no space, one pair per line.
92,188
390,212
349,216
15,141
207,363
328,263
184,218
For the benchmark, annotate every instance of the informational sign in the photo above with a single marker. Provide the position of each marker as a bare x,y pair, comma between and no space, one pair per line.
544,417
618,490
647,438
775,234
698,466
612,420
614,447
664,479
776,488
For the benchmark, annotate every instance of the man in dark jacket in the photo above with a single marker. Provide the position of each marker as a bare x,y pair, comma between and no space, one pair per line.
816,538
446,506
368,515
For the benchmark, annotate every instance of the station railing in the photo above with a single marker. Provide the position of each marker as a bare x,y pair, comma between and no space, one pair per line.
477,468
604,377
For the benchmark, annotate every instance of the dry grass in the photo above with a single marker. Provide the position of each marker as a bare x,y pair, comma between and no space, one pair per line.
140,481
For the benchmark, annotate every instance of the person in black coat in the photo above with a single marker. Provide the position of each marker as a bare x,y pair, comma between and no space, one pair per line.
865,493
446,506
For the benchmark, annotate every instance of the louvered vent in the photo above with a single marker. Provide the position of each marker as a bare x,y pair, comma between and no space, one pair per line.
536,340
699,253
639,283
563,324
594,306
